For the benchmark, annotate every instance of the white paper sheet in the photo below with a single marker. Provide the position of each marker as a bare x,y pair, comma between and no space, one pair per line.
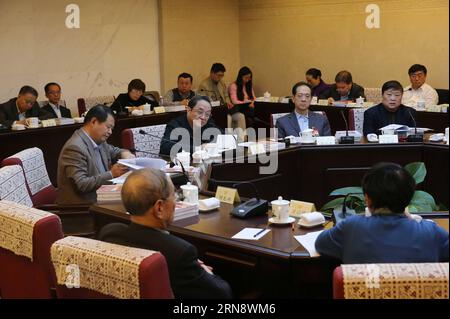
249,234
308,241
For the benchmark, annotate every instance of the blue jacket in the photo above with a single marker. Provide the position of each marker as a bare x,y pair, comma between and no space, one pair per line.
384,239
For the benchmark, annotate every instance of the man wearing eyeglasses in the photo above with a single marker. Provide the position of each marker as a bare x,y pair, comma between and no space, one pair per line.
191,129
17,110
419,92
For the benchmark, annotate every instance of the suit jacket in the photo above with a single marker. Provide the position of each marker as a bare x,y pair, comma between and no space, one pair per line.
182,122
216,92
187,278
288,124
65,112
9,113
355,92
377,117
78,174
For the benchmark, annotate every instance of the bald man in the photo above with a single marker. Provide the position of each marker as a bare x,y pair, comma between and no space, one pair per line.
148,195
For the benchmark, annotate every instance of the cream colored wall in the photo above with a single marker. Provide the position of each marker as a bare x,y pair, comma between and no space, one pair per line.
194,35
117,41
281,39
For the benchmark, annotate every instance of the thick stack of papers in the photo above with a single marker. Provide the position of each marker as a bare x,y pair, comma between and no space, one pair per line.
399,127
185,210
109,194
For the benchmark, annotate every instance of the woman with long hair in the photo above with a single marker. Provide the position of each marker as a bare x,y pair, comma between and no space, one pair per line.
243,99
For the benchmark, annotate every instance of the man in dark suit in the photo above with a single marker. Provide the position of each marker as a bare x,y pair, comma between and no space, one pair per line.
343,90
53,107
86,161
148,195
389,111
24,106
302,118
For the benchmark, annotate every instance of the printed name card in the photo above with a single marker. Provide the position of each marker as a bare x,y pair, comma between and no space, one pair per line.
322,102
388,139
227,195
48,123
160,109
325,140
297,208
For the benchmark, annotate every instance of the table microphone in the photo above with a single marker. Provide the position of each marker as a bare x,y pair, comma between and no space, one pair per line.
346,139
418,138
339,214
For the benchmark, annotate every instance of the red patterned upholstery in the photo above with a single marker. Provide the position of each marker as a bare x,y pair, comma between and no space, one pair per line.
391,281
84,104
21,277
107,270
338,283
132,139
356,119
31,160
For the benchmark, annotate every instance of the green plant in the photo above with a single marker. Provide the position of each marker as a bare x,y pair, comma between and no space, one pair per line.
421,201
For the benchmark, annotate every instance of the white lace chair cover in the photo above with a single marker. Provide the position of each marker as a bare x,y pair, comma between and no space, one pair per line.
13,186
276,116
373,95
396,281
16,227
106,268
33,164
95,100
357,120
146,142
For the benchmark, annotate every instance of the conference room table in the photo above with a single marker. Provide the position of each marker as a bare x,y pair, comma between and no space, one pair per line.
311,172
51,139
275,266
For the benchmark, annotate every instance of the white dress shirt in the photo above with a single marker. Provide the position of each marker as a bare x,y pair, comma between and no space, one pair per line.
425,93
56,109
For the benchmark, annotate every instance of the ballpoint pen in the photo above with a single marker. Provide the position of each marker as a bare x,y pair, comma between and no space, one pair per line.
262,230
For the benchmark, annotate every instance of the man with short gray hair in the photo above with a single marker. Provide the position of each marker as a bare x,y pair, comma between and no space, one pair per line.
148,195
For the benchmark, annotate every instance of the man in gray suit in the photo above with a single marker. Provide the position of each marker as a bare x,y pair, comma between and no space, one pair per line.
302,118
85,162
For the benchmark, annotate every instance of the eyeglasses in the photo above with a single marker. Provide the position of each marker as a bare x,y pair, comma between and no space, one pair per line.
299,96
54,92
201,113
417,74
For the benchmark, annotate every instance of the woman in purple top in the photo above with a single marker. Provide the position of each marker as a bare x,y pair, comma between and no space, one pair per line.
314,79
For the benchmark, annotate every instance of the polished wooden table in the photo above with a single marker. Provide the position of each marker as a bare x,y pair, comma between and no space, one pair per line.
311,172
276,265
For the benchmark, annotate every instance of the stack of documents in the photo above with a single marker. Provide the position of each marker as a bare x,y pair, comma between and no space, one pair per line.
185,210
107,194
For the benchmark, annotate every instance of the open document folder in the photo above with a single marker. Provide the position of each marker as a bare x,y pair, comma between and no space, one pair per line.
143,162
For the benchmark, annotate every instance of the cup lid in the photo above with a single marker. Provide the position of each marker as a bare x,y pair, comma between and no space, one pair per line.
280,201
188,186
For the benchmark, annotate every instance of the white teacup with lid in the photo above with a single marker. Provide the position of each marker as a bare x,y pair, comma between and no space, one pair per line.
280,210
190,193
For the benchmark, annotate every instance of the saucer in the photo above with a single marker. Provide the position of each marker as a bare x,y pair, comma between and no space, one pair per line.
290,220
311,225
307,141
18,128
208,209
